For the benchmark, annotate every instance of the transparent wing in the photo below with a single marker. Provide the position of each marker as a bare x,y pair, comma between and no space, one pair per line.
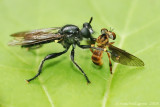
39,36
123,57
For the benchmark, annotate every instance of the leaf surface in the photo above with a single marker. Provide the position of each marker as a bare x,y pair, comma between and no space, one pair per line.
136,23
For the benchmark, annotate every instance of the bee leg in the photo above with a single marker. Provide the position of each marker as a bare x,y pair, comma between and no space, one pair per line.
92,43
72,58
110,63
50,56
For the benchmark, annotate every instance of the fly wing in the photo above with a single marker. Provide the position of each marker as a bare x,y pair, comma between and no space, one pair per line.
123,57
34,37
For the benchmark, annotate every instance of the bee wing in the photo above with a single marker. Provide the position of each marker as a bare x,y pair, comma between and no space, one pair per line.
35,36
123,57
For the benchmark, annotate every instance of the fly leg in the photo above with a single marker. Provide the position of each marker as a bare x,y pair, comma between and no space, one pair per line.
93,40
50,56
34,47
110,63
92,45
72,58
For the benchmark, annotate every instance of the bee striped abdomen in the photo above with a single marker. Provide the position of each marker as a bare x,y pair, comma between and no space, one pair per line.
97,57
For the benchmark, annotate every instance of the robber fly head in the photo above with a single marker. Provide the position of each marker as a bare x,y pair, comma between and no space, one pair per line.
87,30
110,34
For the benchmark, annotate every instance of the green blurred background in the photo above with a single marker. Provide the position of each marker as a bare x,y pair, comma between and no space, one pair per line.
136,23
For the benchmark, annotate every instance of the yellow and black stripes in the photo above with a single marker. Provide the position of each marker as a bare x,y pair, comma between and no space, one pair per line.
97,57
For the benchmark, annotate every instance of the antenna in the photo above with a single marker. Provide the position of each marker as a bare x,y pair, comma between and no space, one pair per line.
111,29
90,20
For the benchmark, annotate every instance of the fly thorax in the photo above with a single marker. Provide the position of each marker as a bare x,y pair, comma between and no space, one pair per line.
72,38
71,34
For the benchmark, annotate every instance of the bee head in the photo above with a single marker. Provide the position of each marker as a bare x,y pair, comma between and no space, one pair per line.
87,30
110,34
102,40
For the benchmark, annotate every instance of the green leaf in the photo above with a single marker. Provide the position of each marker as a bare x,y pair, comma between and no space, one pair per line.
136,23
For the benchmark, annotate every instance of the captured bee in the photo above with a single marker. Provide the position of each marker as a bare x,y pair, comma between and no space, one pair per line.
68,35
114,53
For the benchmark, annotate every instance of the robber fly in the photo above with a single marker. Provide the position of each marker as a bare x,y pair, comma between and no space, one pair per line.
114,53
68,35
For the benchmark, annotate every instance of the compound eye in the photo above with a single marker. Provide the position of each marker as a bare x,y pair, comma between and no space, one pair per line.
112,36
86,25
104,31
91,31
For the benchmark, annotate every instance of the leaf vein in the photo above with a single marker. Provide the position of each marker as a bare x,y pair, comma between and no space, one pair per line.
37,62
157,19
106,95
146,48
